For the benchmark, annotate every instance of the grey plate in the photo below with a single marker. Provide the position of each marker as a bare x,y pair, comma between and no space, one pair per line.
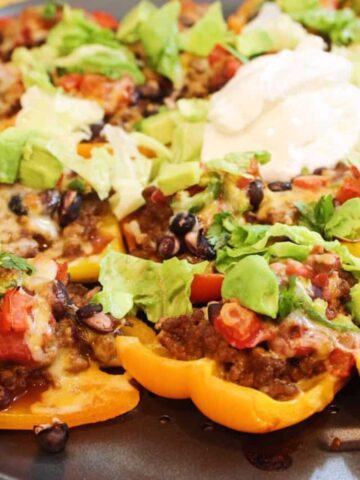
164,439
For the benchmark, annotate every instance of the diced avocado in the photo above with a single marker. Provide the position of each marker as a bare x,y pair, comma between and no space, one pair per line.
12,143
187,142
128,31
175,177
160,126
39,168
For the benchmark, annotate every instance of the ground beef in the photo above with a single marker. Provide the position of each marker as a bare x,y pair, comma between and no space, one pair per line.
190,337
152,221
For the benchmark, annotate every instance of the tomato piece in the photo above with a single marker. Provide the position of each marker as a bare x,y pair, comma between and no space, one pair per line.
293,267
240,327
70,82
16,308
321,280
157,196
242,182
62,273
340,363
104,19
14,349
232,65
217,54
349,189
310,182
334,4
206,287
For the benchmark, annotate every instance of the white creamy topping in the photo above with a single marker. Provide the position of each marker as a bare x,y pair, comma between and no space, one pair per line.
299,105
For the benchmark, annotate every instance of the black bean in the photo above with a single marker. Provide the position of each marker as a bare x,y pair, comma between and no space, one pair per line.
16,205
95,129
61,301
213,311
255,193
70,207
168,246
5,398
199,245
88,310
279,186
52,438
51,200
99,322
182,223
150,90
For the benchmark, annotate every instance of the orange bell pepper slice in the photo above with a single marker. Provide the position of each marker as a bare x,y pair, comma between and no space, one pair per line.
81,398
234,406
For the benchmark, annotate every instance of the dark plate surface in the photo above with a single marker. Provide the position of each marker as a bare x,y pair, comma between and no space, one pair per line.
171,440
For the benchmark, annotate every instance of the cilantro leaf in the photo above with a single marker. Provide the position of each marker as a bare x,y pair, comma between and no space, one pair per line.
9,261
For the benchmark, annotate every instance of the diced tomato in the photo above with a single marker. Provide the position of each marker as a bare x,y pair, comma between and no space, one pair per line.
206,287
71,81
217,54
104,19
340,363
62,273
14,349
242,182
232,65
355,171
310,182
254,168
240,327
296,268
349,189
321,280
330,4
158,197
5,21
15,310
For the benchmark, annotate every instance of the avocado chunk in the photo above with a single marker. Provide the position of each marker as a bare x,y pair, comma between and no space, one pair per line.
187,142
39,168
160,126
12,142
175,177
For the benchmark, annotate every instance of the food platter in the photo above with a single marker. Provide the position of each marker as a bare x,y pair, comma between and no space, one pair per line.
163,438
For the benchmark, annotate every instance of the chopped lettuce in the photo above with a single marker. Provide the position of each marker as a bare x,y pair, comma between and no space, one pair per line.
238,163
34,65
345,221
183,202
254,284
159,289
315,215
244,240
58,116
355,303
128,31
271,30
160,38
75,29
12,142
297,6
193,109
111,62
207,32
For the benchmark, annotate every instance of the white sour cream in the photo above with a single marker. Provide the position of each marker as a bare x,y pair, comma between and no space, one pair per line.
299,105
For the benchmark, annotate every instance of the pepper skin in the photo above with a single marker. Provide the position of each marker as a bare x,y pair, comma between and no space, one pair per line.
87,397
234,406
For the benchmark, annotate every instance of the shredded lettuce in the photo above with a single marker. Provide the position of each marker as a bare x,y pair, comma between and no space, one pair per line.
238,163
75,29
58,116
160,37
111,62
159,289
35,65
254,284
128,31
207,32
345,221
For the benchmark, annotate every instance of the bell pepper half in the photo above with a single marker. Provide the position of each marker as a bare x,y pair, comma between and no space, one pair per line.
78,399
234,406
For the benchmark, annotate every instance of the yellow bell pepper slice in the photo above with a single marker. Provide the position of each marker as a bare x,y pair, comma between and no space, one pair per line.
78,399
234,406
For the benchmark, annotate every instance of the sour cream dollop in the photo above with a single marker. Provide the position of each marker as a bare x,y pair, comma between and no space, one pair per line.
299,105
